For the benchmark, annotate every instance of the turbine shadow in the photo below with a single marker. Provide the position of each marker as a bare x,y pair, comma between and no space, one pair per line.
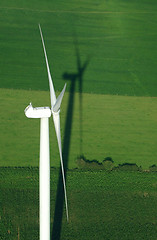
73,77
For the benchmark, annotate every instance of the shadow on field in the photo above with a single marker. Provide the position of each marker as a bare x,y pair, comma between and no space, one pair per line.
73,77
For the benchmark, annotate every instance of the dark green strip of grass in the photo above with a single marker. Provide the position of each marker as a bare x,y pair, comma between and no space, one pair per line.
118,38
114,205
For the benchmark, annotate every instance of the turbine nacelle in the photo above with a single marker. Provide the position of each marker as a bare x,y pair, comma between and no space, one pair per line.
38,112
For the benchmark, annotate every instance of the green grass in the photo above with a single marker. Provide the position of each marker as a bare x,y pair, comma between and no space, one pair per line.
113,206
120,127
118,37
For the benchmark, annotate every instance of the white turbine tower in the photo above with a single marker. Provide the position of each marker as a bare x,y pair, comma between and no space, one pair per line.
44,113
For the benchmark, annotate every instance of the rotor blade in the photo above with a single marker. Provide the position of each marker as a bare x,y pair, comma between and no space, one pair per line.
56,119
57,105
52,92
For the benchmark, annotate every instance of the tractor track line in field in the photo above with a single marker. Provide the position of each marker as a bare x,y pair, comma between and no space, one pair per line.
75,12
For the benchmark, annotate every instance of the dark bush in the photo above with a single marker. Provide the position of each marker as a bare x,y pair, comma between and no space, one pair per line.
108,163
84,163
153,168
128,167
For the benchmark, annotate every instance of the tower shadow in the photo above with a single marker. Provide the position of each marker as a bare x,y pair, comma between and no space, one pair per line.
81,70
73,78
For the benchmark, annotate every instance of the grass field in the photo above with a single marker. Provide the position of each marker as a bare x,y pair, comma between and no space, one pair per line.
102,205
108,47
120,127
106,52
118,38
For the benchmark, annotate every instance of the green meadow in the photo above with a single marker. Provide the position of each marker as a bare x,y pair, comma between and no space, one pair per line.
110,47
113,205
106,53
117,38
120,127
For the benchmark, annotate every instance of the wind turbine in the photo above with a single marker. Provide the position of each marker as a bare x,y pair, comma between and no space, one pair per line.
44,113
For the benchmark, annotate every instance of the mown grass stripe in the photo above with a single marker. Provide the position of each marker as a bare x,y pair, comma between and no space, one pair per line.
120,127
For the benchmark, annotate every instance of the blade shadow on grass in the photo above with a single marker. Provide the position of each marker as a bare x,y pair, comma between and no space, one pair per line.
73,77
